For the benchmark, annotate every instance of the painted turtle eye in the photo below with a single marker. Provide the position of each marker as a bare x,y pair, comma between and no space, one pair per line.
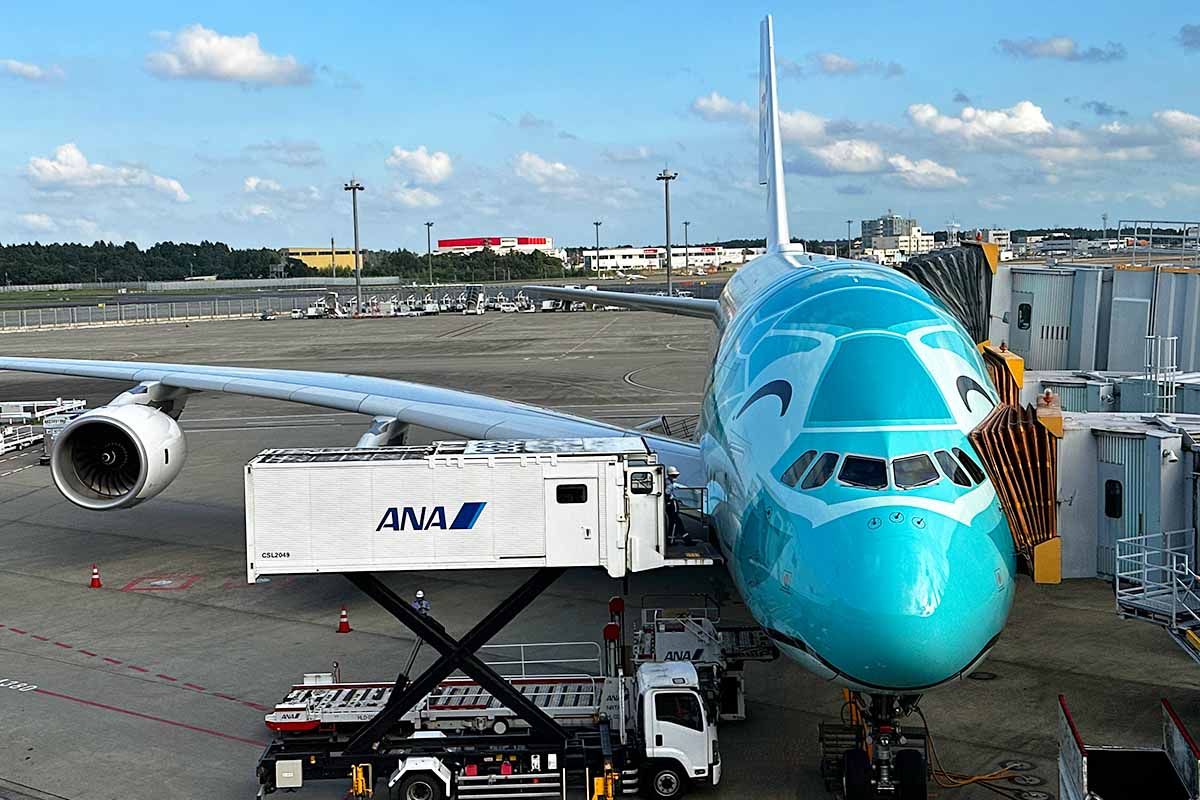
777,388
966,384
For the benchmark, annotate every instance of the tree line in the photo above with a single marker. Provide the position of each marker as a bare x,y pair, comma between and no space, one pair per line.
108,262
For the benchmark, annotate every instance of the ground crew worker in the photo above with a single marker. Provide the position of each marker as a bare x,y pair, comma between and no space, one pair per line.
676,532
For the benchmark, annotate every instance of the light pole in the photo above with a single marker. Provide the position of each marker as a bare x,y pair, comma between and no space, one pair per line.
597,223
354,187
687,265
1104,218
429,251
666,177
849,238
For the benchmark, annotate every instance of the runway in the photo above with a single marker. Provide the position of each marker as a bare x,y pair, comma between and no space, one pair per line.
155,685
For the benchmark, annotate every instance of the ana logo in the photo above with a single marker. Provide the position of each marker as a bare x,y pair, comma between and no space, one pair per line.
684,655
422,518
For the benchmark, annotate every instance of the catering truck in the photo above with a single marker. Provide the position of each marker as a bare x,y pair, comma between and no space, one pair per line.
461,505
652,731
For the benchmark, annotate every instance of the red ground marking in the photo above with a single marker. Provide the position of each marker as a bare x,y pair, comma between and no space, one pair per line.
165,677
138,669
17,630
140,715
113,660
60,644
194,686
179,583
255,706
39,638
225,697
88,653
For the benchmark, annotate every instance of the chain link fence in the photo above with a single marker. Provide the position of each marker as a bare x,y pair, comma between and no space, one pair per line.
145,313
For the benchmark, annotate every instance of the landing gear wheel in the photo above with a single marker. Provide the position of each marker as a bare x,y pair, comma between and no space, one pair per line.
910,772
856,775
665,779
419,786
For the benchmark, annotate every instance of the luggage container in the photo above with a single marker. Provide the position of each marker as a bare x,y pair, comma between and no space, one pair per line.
460,505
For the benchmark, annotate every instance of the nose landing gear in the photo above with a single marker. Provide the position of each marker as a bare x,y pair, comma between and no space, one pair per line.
870,755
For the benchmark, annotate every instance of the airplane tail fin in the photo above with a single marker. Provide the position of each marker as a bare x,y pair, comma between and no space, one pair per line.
770,153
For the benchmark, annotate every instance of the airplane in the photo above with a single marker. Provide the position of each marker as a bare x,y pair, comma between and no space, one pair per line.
632,276
845,495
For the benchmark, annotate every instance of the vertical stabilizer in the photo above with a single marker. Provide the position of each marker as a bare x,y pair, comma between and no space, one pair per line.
770,154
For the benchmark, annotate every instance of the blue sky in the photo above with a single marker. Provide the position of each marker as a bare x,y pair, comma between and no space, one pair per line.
241,121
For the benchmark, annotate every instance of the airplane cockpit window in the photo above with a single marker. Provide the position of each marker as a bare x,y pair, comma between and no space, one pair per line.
910,472
819,474
952,468
866,473
796,471
976,472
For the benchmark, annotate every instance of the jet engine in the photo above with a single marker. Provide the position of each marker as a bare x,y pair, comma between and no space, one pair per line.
117,456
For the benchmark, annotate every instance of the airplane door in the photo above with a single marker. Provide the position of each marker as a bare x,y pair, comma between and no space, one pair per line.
1020,329
573,522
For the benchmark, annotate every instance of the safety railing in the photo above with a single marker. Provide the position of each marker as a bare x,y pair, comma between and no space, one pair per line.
108,314
1154,573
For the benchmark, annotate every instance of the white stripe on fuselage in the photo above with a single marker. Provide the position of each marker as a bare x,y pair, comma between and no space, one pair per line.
964,509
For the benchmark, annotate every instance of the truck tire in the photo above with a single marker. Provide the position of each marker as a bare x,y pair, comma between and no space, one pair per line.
665,779
910,771
420,786
856,775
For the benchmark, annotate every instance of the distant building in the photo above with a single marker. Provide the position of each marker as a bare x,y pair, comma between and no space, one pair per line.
647,259
913,243
502,245
888,225
323,258
996,236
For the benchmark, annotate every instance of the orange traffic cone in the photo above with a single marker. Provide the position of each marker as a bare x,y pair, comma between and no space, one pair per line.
95,584
344,622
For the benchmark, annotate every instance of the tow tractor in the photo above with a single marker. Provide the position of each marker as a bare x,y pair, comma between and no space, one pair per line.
565,716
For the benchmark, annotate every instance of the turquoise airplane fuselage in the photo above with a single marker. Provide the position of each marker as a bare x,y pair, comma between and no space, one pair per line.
848,501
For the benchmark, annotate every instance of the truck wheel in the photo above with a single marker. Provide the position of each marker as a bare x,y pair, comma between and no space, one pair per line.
420,786
910,771
856,775
666,779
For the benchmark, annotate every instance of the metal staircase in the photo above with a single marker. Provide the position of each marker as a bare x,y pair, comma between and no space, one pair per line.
1155,582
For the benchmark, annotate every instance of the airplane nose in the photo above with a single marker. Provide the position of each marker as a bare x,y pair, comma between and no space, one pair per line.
928,596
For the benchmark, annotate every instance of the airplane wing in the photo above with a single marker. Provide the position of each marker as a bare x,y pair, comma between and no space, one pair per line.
684,306
459,413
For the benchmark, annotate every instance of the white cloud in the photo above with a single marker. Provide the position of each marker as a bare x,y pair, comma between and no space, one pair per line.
638,153
801,126
29,72
415,197
1021,120
1178,122
835,64
421,165
288,152
716,106
924,173
543,173
69,169
996,202
37,222
201,53
850,155
1063,48
257,184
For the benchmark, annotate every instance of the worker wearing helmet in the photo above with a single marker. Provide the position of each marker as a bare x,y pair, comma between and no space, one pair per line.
676,532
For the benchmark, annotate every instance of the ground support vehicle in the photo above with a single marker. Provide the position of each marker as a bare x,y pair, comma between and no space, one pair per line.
424,739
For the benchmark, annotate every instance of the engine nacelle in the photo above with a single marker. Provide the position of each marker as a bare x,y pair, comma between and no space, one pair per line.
117,456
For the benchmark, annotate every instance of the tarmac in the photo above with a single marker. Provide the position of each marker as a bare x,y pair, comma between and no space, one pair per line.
155,686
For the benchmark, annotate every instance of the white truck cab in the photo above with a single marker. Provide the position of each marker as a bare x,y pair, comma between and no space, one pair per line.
681,741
